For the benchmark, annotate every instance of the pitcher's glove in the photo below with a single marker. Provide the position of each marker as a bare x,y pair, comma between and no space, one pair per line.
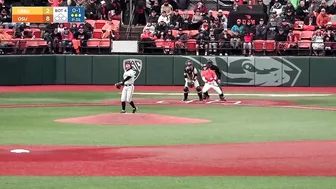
191,84
118,85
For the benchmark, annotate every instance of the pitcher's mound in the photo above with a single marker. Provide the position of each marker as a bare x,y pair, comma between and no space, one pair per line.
131,119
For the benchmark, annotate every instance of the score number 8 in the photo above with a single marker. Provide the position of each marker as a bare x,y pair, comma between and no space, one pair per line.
47,18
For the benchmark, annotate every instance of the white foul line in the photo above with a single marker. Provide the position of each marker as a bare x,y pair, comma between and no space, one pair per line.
160,102
212,101
189,101
238,102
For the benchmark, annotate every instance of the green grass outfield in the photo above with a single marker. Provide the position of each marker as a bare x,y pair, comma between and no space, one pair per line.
229,125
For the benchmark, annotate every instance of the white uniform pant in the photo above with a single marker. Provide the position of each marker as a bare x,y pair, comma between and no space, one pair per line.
196,83
211,85
127,93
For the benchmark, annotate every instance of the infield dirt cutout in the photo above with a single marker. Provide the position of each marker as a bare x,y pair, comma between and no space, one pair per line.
300,158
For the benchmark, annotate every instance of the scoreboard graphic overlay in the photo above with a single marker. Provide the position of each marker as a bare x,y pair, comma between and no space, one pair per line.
48,14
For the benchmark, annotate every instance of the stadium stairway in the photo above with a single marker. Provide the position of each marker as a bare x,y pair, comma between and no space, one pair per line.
134,33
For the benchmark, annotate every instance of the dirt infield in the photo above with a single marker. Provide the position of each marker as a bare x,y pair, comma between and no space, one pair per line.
306,158
176,102
132,119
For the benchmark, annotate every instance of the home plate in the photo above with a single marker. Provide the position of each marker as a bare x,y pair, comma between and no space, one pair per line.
19,151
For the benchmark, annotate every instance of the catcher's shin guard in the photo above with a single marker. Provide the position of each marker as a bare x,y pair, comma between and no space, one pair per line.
185,93
199,93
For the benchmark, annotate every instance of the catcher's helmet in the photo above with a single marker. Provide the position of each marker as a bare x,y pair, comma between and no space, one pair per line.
209,63
189,63
204,66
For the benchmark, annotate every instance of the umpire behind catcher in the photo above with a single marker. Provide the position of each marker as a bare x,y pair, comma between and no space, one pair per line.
215,68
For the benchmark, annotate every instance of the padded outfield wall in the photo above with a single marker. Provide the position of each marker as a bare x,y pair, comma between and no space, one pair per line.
165,70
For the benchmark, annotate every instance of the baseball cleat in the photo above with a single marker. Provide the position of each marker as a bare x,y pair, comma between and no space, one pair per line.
185,100
223,99
135,109
123,111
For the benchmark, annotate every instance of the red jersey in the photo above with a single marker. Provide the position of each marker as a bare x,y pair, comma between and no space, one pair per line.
208,75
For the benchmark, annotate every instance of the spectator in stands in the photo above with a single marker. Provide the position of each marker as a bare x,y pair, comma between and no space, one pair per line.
247,43
164,18
80,3
74,28
324,6
6,18
205,26
322,19
67,38
161,29
91,10
248,28
213,45
329,46
292,41
201,8
272,30
87,28
261,3
302,10
114,10
166,7
224,43
235,40
281,39
156,7
103,12
181,41
110,31
261,30
183,4
147,41
149,27
318,43
222,18
289,7
186,22
332,8
175,19
209,17
330,28
81,39
54,41
289,17
277,7
196,20
70,3
21,33
238,27
310,22
169,35
286,26
168,46
217,27
153,18
314,6
202,43
60,28
139,16
6,43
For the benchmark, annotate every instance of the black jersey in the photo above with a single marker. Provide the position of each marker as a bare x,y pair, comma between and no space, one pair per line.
217,71
190,73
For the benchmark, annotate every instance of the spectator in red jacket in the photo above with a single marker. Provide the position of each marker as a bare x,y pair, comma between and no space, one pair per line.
322,19
201,8
247,44
67,38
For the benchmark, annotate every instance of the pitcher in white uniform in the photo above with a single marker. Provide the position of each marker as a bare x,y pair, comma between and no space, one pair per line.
128,88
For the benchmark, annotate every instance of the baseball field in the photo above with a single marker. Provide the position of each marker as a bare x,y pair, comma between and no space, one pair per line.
74,137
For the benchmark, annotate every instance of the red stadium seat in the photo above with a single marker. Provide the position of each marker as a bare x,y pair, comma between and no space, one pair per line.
100,24
105,43
258,45
306,34
91,22
97,34
159,43
191,45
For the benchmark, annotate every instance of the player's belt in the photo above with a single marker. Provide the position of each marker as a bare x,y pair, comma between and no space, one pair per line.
128,85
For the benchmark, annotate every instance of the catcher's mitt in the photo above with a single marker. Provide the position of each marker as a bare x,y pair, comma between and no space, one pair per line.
118,85
191,84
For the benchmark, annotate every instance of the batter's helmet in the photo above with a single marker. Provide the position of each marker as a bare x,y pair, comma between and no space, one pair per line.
209,63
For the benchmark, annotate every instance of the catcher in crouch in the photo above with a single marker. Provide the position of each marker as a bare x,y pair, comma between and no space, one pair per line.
209,77
190,77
